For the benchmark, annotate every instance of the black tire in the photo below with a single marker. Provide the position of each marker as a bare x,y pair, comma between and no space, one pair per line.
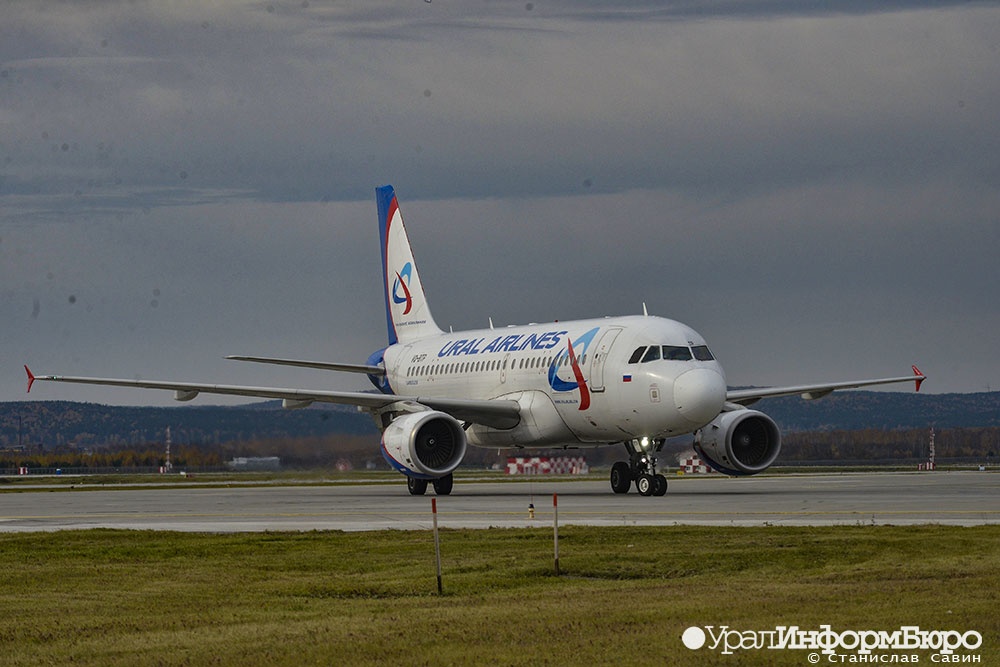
646,484
621,477
661,485
416,487
443,485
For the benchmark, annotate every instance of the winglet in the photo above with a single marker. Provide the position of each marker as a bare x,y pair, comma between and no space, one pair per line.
920,377
31,377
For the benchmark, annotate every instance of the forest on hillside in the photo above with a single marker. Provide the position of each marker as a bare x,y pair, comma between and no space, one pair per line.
981,445
850,426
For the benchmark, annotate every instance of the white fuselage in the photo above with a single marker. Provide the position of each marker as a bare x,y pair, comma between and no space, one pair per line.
582,382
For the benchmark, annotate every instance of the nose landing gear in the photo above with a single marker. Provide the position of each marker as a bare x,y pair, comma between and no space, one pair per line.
641,468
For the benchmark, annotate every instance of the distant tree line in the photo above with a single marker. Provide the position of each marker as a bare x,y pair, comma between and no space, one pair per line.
64,425
881,444
84,435
127,457
308,452
904,445
58,424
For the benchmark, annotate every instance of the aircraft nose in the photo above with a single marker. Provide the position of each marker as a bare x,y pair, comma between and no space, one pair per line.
699,395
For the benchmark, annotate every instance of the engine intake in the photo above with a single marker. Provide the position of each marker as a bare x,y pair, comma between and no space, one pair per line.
424,445
741,442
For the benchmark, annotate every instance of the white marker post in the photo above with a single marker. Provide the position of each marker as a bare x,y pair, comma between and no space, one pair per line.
555,528
437,542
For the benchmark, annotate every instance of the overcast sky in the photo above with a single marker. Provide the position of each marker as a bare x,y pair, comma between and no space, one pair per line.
816,192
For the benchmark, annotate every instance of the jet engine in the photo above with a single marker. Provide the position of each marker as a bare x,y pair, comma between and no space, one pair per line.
740,442
424,445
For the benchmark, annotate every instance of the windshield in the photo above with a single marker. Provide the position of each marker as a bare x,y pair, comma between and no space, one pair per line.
648,353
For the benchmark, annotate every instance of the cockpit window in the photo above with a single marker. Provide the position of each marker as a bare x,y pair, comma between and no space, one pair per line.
646,354
676,353
702,353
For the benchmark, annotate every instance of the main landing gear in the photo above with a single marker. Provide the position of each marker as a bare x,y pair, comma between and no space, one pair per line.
442,485
640,468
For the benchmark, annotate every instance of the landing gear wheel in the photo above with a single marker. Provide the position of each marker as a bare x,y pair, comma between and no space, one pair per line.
621,477
442,485
641,468
646,484
660,486
416,487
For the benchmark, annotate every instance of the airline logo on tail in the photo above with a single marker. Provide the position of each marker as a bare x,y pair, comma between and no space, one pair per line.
403,282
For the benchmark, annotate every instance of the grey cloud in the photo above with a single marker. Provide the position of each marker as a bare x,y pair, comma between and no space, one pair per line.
789,179
693,105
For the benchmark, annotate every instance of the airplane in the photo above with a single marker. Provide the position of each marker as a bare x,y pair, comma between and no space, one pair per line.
632,380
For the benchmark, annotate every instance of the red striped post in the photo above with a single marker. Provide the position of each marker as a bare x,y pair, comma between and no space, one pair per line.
437,542
555,528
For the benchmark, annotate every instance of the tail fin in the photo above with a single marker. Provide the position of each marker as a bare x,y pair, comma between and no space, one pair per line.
406,311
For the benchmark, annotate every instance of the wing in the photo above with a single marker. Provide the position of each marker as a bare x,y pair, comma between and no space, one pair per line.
322,365
814,391
502,414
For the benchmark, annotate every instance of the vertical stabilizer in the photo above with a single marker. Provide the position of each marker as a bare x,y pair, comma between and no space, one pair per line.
406,312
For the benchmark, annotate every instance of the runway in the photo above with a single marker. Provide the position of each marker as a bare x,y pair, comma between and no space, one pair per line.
952,498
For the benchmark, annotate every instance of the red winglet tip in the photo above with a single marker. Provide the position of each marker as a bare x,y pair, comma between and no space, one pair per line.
31,377
920,376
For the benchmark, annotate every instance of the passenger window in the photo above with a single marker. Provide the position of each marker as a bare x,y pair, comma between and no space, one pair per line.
637,355
676,353
702,353
652,354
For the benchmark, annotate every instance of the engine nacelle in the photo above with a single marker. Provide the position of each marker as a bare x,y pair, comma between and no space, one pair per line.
424,445
741,442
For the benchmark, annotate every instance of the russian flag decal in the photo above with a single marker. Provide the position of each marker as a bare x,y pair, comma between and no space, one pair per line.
626,378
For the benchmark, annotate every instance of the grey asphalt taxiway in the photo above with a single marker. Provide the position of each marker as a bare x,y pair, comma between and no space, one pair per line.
952,498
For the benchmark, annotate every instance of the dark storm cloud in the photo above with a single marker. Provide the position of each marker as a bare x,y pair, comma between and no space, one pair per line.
603,10
290,104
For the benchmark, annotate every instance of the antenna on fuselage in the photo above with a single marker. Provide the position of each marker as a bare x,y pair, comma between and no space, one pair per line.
491,323
645,313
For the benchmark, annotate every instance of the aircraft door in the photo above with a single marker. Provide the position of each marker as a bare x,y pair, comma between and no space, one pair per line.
600,356
503,368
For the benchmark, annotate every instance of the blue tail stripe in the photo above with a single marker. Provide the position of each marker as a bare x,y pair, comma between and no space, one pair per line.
383,198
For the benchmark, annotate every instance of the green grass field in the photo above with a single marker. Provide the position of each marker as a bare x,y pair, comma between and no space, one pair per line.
624,597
